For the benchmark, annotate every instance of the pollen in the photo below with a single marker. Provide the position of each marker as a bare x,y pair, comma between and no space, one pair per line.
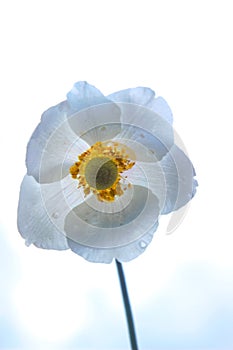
100,170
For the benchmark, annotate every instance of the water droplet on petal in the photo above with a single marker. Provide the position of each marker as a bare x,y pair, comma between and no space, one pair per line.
28,242
143,244
55,215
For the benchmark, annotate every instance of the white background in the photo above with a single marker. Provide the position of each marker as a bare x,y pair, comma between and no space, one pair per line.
181,287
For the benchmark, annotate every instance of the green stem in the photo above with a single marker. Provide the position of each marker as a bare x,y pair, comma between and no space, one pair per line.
128,311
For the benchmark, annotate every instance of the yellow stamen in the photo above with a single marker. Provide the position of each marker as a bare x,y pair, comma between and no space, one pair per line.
100,168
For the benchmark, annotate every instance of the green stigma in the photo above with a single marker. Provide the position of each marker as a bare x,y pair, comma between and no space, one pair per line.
101,173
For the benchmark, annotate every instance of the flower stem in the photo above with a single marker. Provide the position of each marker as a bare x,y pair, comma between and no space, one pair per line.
128,311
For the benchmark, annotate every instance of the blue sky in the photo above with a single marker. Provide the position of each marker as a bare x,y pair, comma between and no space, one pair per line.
181,287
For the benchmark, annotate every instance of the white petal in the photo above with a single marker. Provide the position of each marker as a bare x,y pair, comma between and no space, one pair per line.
84,95
161,107
171,179
49,145
179,174
133,250
50,120
142,145
34,223
60,198
60,152
99,118
122,254
103,231
139,95
144,97
149,175
140,122
97,123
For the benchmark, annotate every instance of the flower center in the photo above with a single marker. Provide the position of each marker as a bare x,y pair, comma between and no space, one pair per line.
101,173
100,168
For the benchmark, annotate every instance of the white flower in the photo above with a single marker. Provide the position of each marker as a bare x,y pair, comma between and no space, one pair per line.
100,172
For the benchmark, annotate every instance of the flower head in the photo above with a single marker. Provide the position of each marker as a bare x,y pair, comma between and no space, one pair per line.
100,172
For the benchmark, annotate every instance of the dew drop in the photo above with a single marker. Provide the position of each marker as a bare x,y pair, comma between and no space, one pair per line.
28,242
143,244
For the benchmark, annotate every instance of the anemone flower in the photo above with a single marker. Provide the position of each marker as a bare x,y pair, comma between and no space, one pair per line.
100,172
